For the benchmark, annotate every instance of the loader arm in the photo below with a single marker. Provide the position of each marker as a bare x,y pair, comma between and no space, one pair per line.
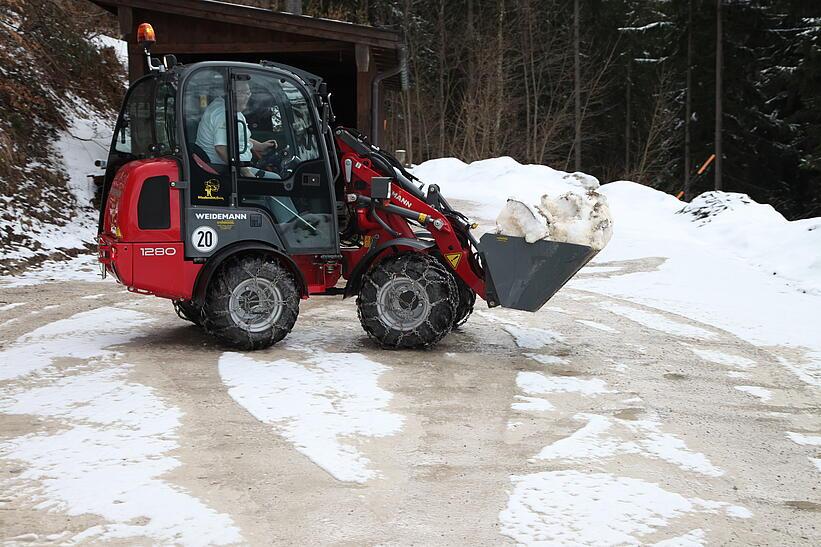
384,220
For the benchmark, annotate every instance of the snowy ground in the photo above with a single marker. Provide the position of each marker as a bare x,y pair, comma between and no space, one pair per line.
668,395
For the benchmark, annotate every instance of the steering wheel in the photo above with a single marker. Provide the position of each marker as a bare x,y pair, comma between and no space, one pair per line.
273,159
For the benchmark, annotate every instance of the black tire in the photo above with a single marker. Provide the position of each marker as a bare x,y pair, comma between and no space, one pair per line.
189,311
467,299
407,301
251,303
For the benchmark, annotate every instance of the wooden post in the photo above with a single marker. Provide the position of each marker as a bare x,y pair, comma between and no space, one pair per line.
719,113
136,56
363,87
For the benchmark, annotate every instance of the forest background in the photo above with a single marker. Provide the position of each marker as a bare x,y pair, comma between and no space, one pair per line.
499,78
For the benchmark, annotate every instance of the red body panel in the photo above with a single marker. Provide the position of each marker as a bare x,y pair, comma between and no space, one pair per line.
150,261
121,208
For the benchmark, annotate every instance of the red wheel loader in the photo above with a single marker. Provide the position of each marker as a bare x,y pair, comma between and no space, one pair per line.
229,192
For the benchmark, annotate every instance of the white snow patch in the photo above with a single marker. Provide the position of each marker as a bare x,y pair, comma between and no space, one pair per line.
807,440
120,47
84,335
600,269
546,359
597,326
536,383
87,138
525,337
574,508
596,440
693,538
763,394
738,512
721,358
94,296
531,404
657,321
11,306
317,404
83,267
710,269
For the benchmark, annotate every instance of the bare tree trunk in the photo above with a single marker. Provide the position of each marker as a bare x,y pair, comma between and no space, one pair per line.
688,109
577,142
719,184
500,87
629,121
527,53
442,105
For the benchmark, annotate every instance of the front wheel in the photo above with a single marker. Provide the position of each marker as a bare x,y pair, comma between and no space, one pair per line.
251,303
407,301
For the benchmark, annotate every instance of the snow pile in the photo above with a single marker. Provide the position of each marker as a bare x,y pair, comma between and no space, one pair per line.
567,206
569,218
760,234
573,217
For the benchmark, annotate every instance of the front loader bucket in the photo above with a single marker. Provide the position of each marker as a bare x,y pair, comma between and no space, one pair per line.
524,276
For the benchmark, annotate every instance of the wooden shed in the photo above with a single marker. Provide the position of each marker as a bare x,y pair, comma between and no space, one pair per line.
355,60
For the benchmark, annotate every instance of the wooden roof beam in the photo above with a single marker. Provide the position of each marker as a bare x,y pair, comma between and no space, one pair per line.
262,18
162,48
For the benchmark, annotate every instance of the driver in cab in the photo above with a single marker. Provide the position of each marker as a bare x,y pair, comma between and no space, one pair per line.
212,136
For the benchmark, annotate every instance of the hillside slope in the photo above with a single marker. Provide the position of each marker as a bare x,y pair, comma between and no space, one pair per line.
60,86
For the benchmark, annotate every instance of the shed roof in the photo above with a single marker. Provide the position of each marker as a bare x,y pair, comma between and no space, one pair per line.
264,18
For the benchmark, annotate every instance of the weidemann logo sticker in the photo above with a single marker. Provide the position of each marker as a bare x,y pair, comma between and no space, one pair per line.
221,216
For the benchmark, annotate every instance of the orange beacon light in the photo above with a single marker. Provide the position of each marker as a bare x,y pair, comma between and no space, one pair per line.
145,35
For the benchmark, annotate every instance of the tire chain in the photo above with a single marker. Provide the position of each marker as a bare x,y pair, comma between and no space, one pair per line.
430,265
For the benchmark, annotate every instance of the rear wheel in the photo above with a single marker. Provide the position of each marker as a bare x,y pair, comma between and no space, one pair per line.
251,303
407,301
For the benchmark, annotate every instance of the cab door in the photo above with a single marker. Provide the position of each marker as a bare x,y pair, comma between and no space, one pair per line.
281,159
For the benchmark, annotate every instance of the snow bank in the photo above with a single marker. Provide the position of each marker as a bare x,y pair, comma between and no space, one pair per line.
650,223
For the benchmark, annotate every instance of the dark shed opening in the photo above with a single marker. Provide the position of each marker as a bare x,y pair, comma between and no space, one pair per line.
349,57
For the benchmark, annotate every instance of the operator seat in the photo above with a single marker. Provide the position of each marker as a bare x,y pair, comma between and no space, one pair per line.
202,172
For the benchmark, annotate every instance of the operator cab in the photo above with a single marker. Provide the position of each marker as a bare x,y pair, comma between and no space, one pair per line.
267,177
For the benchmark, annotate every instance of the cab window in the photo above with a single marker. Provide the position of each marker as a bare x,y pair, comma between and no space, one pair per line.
165,119
280,165
134,131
